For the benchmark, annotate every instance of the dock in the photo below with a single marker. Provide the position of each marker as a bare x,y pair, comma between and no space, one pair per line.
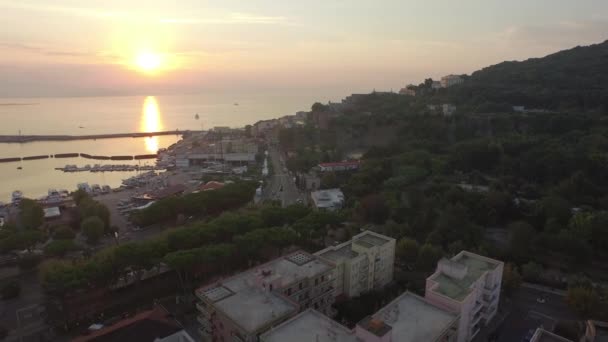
32,138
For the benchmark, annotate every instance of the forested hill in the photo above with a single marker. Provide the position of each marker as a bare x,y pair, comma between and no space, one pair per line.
569,80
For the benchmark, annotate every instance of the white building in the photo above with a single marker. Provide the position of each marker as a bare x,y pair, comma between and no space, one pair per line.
408,318
249,303
469,285
329,199
364,263
542,335
448,109
451,80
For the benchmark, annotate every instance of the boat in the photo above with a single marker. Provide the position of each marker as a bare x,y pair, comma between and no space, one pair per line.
96,188
236,103
17,196
84,186
19,168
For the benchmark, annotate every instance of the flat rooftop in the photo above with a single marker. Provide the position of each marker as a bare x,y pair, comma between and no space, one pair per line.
309,326
244,299
456,288
542,335
340,252
369,239
414,319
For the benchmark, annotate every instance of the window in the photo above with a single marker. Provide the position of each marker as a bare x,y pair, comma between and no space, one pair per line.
300,286
316,281
270,287
289,291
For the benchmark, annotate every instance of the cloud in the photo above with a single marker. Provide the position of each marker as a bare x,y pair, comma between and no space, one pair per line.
46,51
556,36
233,18
79,11
230,18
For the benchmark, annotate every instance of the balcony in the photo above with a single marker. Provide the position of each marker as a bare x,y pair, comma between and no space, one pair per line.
477,307
490,290
204,322
203,309
205,333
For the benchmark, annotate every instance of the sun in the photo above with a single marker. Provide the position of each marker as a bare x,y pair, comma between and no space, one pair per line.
148,61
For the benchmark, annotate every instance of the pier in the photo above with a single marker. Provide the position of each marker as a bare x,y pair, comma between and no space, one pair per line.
82,155
32,138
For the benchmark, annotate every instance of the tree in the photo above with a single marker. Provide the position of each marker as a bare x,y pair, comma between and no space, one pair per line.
511,279
93,228
59,248
531,271
522,239
10,290
31,214
64,233
407,250
373,208
428,257
583,300
90,208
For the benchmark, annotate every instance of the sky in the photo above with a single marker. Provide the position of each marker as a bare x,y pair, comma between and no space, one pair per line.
91,47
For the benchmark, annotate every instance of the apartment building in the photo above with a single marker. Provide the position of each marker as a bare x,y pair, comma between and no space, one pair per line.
409,318
451,80
243,306
469,285
363,263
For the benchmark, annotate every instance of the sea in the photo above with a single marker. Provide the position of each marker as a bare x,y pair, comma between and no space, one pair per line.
124,114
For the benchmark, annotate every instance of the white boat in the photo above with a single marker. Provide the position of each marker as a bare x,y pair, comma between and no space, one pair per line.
84,186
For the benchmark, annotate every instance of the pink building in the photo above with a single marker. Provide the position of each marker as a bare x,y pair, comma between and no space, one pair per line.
469,285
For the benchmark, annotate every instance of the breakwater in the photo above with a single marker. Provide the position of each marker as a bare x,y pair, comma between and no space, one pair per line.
83,155
32,138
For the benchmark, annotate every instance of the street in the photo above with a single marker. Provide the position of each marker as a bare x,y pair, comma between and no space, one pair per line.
281,185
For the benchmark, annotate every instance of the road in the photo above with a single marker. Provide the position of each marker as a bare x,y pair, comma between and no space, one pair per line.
281,185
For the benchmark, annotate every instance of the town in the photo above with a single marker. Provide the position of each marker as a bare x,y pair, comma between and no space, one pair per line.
427,214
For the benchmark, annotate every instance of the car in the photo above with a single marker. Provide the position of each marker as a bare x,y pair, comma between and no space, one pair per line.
299,201
541,300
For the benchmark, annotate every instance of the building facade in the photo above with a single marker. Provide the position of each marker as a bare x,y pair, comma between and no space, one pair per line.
364,263
247,304
451,80
469,285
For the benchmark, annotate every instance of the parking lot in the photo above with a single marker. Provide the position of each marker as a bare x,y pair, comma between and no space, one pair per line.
529,309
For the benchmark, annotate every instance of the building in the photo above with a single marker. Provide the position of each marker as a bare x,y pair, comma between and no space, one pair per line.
309,326
436,85
154,325
595,331
211,185
364,263
451,80
448,109
242,307
408,318
340,166
469,285
329,199
541,335
409,89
